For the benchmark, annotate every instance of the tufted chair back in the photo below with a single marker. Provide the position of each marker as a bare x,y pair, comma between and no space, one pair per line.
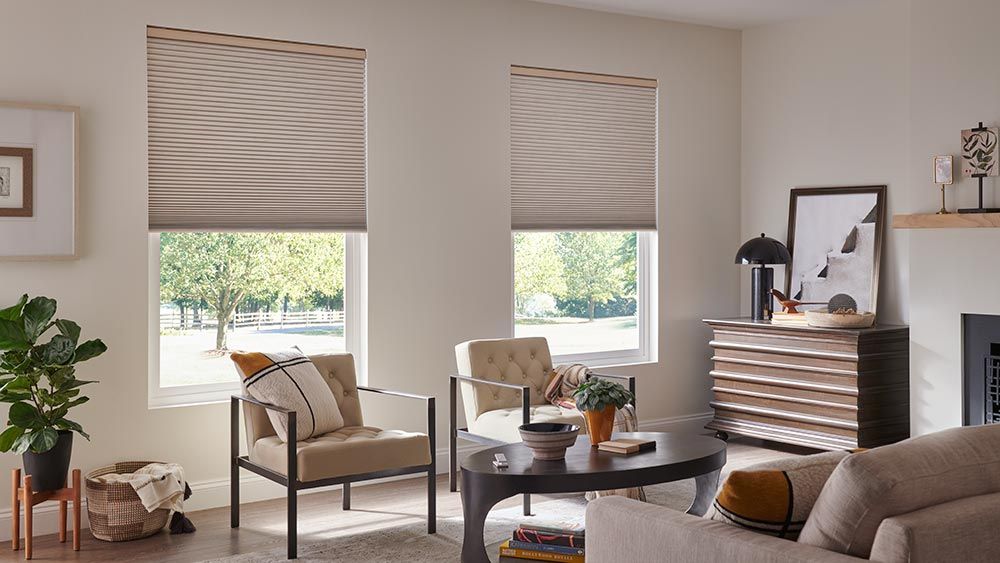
519,361
338,372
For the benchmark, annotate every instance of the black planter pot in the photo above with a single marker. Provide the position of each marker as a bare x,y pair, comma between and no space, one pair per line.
48,470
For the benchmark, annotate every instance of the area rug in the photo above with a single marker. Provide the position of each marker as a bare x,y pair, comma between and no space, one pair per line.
411,543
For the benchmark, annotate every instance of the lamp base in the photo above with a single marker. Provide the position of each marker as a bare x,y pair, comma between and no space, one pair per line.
761,282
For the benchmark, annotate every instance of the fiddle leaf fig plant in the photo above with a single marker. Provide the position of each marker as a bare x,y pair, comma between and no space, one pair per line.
596,394
39,379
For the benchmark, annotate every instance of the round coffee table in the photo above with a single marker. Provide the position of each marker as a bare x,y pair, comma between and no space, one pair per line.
676,457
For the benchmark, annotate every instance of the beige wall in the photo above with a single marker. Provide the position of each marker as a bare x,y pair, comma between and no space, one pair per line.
825,103
439,240
870,95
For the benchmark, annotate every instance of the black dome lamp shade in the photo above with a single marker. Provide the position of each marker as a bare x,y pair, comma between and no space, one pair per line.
759,252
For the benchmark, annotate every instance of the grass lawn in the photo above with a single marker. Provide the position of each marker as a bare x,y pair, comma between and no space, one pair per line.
571,335
188,357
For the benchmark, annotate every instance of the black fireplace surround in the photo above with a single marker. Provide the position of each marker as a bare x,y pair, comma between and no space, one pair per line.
981,367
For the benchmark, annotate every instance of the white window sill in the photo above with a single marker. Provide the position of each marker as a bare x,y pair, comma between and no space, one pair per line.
193,395
603,359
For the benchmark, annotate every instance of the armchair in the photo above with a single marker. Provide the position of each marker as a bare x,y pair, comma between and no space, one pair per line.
350,454
503,386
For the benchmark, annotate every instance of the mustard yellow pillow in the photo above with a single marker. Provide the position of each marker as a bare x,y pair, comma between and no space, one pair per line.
774,498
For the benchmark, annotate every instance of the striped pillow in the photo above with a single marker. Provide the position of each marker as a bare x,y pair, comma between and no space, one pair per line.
290,380
774,498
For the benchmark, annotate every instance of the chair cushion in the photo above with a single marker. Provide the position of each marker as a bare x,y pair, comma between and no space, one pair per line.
289,379
774,497
501,424
351,450
868,487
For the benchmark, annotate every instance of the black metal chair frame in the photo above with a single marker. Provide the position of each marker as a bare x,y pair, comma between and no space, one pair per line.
293,485
454,432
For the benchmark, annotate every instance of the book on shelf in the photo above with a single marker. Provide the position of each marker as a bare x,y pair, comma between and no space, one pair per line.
569,527
550,536
626,445
548,548
537,552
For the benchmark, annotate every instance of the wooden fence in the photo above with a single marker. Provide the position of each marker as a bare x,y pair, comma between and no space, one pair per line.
257,320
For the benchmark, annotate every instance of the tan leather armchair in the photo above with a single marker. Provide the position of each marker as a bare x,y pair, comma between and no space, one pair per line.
503,386
356,452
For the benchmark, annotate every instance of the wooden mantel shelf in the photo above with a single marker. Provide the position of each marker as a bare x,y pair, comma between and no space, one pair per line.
948,221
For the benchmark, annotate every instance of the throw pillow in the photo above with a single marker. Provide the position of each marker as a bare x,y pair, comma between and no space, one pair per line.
774,498
290,380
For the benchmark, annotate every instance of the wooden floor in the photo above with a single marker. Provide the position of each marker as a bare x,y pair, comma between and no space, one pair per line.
320,517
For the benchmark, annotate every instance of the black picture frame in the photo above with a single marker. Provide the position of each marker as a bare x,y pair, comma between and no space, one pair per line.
879,191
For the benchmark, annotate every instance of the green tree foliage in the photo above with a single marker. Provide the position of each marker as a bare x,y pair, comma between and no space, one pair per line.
593,266
538,268
225,269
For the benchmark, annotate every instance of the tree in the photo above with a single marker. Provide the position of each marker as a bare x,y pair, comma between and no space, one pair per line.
593,266
537,267
224,269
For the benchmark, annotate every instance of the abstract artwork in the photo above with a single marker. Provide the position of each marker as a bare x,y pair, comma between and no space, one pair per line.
980,152
835,237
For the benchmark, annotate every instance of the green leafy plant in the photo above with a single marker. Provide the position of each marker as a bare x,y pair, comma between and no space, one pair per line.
596,394
39,380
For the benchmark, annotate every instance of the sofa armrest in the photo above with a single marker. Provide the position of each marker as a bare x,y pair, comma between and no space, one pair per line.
619,529
960,530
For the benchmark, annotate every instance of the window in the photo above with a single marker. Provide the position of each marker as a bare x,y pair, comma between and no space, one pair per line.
217,292
583,207
257,205
584,292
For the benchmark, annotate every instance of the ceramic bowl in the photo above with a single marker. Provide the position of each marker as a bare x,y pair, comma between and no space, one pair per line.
548,440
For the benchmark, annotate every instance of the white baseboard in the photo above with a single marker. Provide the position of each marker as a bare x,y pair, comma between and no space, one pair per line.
215,493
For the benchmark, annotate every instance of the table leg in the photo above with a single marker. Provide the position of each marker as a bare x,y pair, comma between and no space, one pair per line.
705,488
76,510
62,521
477,500
15,510
28,516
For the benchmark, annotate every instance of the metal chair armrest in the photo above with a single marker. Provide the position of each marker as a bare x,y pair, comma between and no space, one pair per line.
395,393
524,389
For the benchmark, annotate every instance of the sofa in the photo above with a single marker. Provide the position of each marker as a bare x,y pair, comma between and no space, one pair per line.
933,498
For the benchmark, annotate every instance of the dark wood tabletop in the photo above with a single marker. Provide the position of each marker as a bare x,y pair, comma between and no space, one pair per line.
676,457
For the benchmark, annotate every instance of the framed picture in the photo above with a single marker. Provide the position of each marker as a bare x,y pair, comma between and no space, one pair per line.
835,236
39,147
943,170
980,152
16,177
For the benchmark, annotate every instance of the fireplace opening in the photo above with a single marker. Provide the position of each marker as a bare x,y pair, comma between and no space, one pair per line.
981,360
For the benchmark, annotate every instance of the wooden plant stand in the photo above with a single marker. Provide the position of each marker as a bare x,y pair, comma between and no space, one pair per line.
23,495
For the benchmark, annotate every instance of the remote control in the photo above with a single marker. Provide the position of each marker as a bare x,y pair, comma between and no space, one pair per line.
500,461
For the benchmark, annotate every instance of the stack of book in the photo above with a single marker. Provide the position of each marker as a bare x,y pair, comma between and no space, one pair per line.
540,543
794,319
626,446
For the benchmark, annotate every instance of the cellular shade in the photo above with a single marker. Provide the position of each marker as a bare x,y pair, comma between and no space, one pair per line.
254,134
583,151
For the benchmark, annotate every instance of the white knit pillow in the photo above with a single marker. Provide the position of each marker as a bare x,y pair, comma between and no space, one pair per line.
290,380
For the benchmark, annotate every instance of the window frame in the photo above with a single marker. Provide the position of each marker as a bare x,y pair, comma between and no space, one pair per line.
645,280
355,328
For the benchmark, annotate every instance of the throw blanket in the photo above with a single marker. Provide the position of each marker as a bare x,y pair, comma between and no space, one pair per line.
559,391
159,485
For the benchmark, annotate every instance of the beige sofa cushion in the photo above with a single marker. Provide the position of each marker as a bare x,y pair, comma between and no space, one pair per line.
501,424
774,497
518,361
868,487
351,450
961,530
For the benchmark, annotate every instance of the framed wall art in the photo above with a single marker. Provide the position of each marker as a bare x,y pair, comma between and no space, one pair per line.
39,147
835,236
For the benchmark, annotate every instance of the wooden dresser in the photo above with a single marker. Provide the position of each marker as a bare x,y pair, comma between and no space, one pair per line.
822,388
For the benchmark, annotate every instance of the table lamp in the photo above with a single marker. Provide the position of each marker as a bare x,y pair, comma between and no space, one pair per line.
760,252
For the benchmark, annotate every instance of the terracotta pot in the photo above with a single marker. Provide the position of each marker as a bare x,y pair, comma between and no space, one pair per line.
600,424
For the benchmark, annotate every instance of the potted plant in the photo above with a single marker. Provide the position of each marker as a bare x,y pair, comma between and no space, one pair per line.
39,381
598,399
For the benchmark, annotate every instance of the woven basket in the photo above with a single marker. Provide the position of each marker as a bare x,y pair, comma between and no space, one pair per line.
114,509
